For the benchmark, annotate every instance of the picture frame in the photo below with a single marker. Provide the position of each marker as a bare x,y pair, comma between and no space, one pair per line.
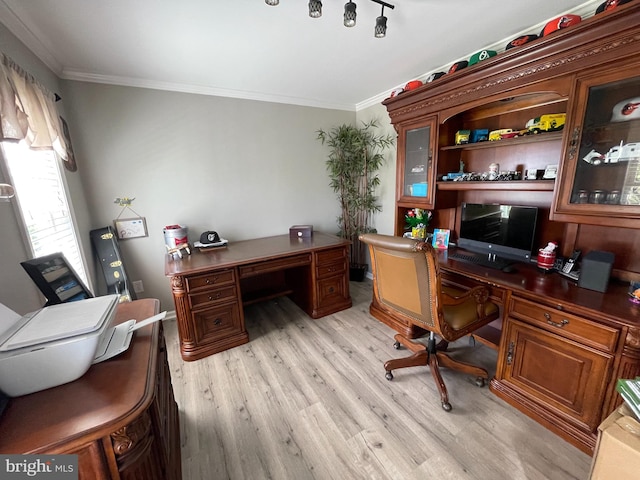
441,238
131,227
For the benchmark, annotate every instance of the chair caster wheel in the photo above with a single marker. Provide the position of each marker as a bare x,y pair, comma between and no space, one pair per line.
480,382
396,345
389,376
446,406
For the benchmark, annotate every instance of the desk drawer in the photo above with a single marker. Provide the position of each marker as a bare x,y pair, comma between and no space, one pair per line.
209,280
565,324
275,265
213,296
333,268
330,256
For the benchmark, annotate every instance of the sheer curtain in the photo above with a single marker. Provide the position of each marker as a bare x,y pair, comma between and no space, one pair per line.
28,111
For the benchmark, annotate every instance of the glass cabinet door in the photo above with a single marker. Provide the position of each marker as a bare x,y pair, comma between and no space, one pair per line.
601,174
416,163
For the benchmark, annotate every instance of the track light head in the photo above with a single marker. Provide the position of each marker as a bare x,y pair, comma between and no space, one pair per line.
315,8
381,27
350,14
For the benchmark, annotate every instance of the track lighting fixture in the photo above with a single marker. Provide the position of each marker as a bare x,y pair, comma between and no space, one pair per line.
350,14
315,8
381,22
315,11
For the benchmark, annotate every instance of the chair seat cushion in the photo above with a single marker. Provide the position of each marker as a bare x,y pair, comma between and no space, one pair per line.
461,316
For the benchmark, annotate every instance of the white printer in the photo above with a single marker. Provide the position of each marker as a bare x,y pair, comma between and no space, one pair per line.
58,343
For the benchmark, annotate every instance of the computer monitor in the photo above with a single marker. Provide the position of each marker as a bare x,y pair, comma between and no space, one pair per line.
508,231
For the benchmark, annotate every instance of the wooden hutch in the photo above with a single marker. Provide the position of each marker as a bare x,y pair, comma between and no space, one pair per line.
561,348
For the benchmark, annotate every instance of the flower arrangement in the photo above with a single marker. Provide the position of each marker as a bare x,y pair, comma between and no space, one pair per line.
417,218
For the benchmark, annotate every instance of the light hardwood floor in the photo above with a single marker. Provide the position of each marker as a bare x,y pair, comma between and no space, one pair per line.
307,399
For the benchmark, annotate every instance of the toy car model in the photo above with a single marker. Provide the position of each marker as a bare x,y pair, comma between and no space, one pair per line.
546,123
497,134
479,135
462,137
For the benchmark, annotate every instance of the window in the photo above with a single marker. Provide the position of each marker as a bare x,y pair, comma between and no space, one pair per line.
41,198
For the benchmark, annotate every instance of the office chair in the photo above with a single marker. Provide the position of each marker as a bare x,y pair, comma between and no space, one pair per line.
407,286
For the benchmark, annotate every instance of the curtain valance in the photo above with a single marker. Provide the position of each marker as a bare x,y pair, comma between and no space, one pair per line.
28,111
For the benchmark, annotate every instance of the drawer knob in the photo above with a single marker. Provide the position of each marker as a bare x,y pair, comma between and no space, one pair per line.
217,321
214,297
556,324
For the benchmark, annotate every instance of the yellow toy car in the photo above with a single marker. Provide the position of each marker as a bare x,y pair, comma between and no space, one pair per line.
497,134
546,123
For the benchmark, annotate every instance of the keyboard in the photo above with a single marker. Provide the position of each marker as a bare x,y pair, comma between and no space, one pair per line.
498,263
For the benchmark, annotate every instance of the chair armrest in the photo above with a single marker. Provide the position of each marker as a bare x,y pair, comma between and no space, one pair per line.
480,295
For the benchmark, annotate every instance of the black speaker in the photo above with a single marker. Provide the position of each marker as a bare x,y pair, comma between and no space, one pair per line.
595,270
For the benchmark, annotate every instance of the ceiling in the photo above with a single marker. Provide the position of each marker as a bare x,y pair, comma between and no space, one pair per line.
247,49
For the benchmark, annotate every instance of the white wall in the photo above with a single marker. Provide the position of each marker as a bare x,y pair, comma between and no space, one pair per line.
383,221
243,168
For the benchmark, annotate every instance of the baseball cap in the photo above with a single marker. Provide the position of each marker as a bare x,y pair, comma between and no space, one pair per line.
628,109
412,85
521,40
434,76
458,66
559,23
610,5
481,55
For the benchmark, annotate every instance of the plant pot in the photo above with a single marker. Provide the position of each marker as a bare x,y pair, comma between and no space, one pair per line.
357,273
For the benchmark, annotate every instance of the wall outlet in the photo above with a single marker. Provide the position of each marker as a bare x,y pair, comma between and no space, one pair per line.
138,287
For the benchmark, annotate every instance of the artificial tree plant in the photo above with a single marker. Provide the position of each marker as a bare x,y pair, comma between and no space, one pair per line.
355,156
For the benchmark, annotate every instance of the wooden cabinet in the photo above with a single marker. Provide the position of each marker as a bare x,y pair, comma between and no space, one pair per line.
215,318
600,177
561,347
120,418
415,178
557,367
585,72
331,280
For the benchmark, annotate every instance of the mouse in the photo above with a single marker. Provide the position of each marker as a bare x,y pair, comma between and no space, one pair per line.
509,269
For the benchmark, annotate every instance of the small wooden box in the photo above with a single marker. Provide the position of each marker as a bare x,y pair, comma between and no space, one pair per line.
301,231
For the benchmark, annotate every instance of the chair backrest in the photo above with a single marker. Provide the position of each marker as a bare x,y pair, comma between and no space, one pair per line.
406,279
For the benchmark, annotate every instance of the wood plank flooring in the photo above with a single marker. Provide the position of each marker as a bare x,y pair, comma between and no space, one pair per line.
307,399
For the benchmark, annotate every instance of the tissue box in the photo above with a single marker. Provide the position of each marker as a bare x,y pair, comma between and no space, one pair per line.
617,453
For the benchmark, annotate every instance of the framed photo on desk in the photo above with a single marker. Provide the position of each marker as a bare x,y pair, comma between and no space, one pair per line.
440,238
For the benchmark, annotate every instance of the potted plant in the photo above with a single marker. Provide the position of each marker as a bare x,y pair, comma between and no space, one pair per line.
355,156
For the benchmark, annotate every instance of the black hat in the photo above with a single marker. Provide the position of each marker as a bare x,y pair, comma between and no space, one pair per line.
209,237
458,66
610,5
434,76
521,40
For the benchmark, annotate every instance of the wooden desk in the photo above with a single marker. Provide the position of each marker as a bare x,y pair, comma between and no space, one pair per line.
210,288
561,348
120,417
